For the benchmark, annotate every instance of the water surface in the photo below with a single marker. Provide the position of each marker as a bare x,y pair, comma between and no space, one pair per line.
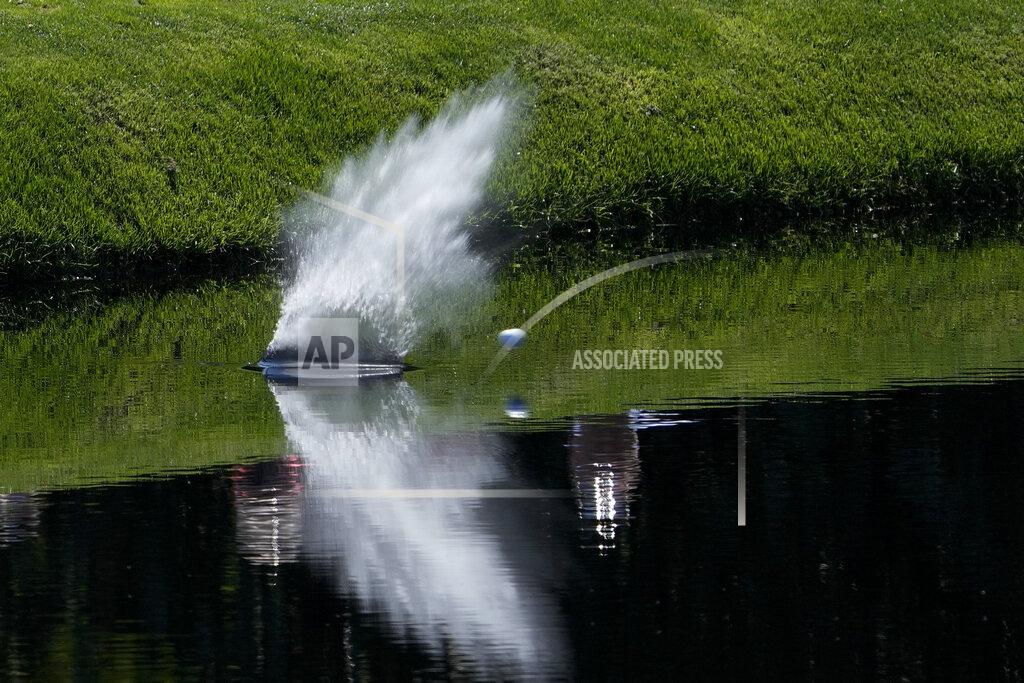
164,512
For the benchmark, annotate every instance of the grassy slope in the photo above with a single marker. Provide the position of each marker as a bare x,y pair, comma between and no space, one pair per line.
154,129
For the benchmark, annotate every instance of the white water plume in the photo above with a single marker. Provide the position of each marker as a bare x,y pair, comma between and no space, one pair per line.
388,245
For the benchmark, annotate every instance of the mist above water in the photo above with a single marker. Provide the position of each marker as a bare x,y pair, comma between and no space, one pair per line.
417,187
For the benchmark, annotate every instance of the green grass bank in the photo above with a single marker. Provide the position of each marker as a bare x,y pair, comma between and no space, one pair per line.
153,131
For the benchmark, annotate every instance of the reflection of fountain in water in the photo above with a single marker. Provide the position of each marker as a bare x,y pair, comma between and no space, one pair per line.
267,510
19,517
390,513
606,470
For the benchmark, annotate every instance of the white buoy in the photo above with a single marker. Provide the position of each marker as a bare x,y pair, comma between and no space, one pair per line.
511,338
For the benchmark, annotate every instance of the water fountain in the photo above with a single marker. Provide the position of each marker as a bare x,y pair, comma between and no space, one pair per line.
387,244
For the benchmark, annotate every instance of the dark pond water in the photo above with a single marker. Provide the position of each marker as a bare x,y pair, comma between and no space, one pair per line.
885,537
164,513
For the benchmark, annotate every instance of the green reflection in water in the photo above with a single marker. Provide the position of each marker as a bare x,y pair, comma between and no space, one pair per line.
848,320
152,384
144,384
